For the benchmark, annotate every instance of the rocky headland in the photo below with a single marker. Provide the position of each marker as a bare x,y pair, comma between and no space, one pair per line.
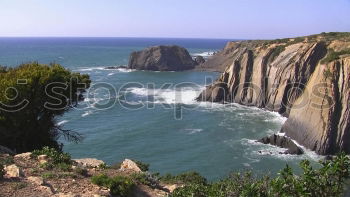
306,79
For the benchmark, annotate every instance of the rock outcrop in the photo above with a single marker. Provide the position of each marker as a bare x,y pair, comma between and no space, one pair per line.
306,79
128,164
162,58
283,142
199,60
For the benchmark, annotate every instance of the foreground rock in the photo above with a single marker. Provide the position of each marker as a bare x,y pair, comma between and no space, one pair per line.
306,79
128,164
283,142
89,162
162,58
13,171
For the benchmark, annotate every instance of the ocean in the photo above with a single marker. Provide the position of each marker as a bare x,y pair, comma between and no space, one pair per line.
153,116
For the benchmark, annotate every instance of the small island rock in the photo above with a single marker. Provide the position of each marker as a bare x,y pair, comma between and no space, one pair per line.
162,58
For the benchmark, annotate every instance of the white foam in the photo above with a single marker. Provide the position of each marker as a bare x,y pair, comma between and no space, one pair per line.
86,113
85,69
193,131
204,54
62,122
169,96
256,149
98,68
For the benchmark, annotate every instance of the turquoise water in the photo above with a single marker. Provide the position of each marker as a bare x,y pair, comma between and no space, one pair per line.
152,116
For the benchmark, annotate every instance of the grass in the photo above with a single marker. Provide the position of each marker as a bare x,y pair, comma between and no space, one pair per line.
332,55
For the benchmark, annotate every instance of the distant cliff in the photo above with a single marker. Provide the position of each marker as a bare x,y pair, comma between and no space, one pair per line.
306,79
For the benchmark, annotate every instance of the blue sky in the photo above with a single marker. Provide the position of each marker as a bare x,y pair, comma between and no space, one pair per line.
235,19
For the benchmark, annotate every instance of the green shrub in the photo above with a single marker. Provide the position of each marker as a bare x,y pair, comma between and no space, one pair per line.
81,171
64,166
121,186
48,175
103,166
38,117
184,178
56,157
146,178
332,55
276,51
118,185
326,181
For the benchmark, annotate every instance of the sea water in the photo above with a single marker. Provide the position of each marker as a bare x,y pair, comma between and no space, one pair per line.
153,116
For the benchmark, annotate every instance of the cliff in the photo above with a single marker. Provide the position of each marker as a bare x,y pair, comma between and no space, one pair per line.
162,58
305,79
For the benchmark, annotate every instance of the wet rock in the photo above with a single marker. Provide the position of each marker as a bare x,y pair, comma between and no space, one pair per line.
283,142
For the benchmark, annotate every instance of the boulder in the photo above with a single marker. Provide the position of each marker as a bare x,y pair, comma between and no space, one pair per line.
25,156
162,58
36,180
128,164
13,171
89,162
283,142
199,60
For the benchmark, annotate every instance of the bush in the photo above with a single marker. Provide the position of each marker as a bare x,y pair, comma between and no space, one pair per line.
326,181
146,178
81,171
56,157
118,185
332,55
184,178
45,89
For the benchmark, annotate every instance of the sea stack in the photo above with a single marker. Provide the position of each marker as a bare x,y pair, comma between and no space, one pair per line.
162,58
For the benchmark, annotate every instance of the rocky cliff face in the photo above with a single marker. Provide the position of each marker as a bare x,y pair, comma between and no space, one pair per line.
162,58
305,79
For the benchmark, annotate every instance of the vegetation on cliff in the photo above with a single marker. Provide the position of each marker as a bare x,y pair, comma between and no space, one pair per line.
31,96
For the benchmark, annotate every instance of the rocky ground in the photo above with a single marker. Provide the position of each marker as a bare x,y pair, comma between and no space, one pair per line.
28,176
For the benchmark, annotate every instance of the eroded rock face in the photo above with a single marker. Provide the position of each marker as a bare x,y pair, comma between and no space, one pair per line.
162,58
289,78
283,142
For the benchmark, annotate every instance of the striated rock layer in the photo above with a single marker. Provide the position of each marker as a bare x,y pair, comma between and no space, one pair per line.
306,79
